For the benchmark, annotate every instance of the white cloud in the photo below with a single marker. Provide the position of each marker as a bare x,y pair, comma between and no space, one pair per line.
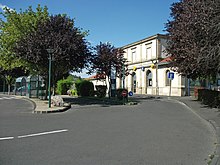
82,74
2,7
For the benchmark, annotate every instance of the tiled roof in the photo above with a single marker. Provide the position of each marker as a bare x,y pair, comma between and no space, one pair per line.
168,59
97,76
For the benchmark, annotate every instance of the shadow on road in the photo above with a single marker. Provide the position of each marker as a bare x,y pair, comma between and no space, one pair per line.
82,101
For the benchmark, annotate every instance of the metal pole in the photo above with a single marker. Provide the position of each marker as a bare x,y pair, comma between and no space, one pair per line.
157,55
123,77
157,78
188,87
170,87
37,85
49,94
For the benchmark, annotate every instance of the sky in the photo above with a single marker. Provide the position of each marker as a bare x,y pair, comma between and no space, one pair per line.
119,22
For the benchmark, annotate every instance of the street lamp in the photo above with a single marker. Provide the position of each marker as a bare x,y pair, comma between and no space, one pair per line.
155,62
50,51
123,78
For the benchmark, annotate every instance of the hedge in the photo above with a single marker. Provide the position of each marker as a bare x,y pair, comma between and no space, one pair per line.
101,90
209,97
84,88
63,86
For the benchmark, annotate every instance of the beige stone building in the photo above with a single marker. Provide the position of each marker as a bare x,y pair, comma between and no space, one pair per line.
147,62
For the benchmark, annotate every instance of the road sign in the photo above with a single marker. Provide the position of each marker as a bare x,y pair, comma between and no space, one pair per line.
124,93
171,75
130,93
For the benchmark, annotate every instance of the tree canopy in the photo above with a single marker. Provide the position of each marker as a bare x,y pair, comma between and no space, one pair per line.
18,25
106,59
70,49
25,37
13,27
194,37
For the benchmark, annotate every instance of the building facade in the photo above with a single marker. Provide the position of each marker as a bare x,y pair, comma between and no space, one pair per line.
148,67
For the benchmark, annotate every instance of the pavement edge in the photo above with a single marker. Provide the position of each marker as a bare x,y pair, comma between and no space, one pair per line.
34,104
61,109
215,160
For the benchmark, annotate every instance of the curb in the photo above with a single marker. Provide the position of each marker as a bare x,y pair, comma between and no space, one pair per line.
215,159
34,104
63,109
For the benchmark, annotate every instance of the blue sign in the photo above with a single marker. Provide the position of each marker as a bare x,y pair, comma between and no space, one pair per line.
171,75
130,93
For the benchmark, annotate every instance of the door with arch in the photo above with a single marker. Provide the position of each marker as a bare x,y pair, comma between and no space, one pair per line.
134,82
148,80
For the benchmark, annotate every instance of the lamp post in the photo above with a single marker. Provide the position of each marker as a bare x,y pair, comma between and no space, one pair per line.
50,51
123,77
155,62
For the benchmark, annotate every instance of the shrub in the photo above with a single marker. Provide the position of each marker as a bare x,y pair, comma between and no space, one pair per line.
101,90
119,94
63,86
209,97
77,85
73,92
84,88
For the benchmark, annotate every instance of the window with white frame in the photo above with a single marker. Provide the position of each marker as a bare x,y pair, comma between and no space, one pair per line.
148,52
133,55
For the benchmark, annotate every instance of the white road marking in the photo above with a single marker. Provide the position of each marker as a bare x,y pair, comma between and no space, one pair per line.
3,98
43,133
7,138
32,135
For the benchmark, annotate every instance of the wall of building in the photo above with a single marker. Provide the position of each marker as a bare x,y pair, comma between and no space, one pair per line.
140,56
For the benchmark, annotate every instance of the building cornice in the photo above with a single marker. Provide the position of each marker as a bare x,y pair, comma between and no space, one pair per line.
145,40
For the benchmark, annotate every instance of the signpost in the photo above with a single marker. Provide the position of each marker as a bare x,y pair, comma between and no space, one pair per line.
170,77
130,93
124,94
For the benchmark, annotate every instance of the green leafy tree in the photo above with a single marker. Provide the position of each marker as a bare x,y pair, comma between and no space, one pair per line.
194,37
9,75
108,57
64,85
13,27
71,51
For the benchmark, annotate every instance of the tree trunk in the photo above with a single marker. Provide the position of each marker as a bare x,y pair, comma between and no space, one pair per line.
9,88
109,88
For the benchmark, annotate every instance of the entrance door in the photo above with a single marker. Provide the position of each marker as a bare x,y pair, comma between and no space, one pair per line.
134,82
148,80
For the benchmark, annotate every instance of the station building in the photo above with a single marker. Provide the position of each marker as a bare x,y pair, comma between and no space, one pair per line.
148,65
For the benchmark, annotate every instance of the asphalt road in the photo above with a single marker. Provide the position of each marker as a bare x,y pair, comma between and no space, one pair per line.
155,132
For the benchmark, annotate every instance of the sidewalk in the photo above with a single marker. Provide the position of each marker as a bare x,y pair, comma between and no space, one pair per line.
212,115
42,106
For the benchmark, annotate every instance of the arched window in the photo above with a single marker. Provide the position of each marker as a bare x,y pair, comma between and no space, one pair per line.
134,82
149,78
167,80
